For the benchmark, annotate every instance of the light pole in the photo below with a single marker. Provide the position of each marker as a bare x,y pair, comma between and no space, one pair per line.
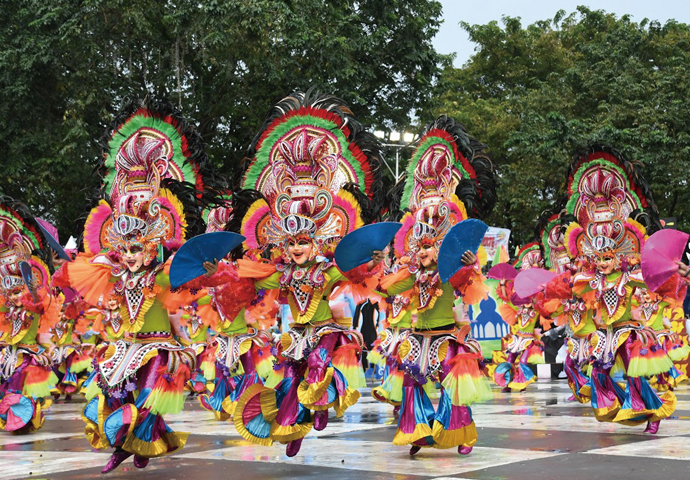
398,141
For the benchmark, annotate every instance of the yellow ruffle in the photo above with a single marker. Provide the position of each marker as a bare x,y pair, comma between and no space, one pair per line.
229,406
134,326
94,431
168,443
288,433
269,410
443,438
607,414
422,430
667,408
522,385
310,393
346,401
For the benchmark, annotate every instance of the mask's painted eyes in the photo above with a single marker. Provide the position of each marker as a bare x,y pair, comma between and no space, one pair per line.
303,243
134,249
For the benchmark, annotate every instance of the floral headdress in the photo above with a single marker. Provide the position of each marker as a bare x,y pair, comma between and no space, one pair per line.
20,239
153,160
529,256
315,168
613,207
441,186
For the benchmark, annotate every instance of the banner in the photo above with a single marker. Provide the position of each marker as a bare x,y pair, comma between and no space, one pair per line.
495,243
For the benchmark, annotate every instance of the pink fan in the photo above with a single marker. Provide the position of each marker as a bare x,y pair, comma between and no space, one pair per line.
502,271
661,254
531,281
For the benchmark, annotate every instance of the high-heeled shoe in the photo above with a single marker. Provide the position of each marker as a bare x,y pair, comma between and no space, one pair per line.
414,449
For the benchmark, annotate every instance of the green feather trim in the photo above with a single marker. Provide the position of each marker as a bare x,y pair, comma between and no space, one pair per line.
545,241
129,128
261,159
575,196
15,220
414,161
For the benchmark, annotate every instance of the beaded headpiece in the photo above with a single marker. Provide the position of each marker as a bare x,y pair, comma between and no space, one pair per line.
449,177
315,168
612,204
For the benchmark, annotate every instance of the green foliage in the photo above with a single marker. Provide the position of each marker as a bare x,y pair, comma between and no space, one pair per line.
67,65
535,94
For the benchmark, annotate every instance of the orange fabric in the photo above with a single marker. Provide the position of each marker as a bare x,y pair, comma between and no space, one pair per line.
251,269
209,315
475,292
507,313
265,312
51,314
97,322
391,279
91,281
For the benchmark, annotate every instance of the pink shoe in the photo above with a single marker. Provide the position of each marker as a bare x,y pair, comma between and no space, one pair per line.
293,447
140,462
506,390
463,450
396,411
572,398
320,420
118,457
414,449
652,427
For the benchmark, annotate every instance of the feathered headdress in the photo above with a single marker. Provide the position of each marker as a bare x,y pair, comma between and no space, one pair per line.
612,204
448,179
218,217
550,229
153,182
20,241
529,256
317,170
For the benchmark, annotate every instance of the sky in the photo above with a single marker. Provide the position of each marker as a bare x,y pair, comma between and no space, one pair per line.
452,39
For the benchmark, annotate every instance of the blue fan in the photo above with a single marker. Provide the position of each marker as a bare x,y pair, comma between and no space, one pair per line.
356,248
52,241
188,262
464,236
27,273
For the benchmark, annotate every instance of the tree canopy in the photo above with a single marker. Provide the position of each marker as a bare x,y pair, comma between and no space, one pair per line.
66,66
535,94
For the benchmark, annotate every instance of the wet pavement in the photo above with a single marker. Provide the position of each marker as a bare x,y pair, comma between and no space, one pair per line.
532,435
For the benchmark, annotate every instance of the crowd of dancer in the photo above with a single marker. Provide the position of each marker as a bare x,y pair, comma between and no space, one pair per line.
140,316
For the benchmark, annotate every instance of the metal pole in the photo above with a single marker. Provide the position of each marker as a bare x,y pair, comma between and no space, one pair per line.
397,162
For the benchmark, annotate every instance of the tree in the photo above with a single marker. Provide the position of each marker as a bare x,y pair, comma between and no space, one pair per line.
67,65
536,94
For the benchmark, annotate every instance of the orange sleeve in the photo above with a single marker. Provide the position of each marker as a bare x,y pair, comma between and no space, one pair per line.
90,280
251,269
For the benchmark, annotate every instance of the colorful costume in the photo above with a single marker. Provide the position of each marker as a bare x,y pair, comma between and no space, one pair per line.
316,169
655,311
141,375
69,361
436,349
25,366
522,346
606,196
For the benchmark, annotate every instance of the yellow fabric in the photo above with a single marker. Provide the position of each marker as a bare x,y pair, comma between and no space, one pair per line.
421,430
168,443
466,436
310,393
